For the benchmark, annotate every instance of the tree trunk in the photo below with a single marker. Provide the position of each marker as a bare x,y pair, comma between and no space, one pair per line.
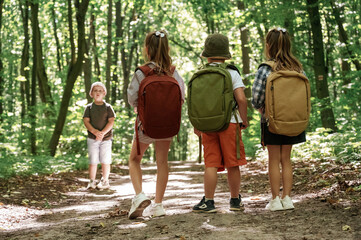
44,88
24,66
87,66
94,46
327,116
34,76
343,35
118,30
109,49
58,47
73,73
127,62
245,61
71,32
87,69
1,66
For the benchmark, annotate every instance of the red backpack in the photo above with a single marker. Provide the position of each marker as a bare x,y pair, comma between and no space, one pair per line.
159,105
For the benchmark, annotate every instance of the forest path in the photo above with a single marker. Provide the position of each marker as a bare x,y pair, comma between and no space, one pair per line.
327,200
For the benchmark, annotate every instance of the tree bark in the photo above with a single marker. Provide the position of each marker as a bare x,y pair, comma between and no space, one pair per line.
118,24
44,88
327,116
87,69
94,46
24,66
109,49
1,66
245,61
71,32
343,35
58,47
73,73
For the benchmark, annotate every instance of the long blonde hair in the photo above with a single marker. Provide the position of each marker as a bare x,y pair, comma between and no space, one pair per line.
156,49
279,50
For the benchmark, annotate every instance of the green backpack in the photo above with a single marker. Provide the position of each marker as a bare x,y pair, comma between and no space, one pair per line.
210,98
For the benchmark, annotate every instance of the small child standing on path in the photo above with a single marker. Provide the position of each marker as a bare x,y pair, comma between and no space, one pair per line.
220,148
280,57
99,118
158,66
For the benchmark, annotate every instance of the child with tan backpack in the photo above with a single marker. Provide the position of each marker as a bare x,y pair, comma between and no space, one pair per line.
281,93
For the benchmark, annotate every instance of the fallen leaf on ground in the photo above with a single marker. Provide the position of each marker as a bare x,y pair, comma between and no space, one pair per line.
346,228
256,198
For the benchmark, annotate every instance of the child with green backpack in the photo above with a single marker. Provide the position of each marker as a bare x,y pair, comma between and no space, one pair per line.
217,108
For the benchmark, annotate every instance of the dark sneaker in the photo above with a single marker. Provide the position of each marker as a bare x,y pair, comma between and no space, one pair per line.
236,204
205,206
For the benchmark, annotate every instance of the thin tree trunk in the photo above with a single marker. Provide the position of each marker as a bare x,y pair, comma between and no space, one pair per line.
109,49
343,35
24,67
87,69
33,83
71,32
44,87
245,61
73,73
58,47
327,116
1,66
94,46
115,81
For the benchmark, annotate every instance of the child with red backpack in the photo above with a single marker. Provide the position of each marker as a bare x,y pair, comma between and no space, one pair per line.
157,93
281,94
217,108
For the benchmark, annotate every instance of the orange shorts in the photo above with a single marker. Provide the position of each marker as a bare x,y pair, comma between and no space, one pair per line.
220,148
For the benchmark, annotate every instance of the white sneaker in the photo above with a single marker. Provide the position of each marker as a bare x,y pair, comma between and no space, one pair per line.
157,210
275,204
287,203
139,203
91,184
103,184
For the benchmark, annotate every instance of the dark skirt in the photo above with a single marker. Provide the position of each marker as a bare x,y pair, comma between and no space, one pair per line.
276,139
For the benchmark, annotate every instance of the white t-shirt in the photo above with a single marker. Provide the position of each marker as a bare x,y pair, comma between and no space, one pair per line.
237,83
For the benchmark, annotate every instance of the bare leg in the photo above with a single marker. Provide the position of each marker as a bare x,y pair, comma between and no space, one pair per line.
105,171
92,171
287,173
234,181
161,155
135,171
210,181
274,158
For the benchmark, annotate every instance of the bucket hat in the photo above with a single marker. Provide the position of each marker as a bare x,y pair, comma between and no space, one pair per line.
216,46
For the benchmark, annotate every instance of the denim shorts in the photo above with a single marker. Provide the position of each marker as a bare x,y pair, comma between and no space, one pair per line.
99,151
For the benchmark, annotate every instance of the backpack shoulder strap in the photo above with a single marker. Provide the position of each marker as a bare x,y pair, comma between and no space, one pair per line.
230,66
267,63
145,69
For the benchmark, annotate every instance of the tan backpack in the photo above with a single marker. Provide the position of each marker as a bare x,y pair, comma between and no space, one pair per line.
287,101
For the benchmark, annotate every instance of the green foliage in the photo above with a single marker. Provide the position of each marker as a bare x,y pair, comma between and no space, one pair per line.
188,24
42,164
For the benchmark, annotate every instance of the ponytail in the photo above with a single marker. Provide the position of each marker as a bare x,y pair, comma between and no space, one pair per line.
156,49
279,50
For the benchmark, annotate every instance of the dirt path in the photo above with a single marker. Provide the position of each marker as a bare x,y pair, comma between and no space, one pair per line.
327,205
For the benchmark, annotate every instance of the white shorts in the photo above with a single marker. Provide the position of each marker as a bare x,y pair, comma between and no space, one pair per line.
99,151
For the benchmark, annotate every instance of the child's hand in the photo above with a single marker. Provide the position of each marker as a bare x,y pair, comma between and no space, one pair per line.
136,110
243,125
100,135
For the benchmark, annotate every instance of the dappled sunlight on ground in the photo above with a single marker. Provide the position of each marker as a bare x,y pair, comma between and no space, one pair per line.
80,212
